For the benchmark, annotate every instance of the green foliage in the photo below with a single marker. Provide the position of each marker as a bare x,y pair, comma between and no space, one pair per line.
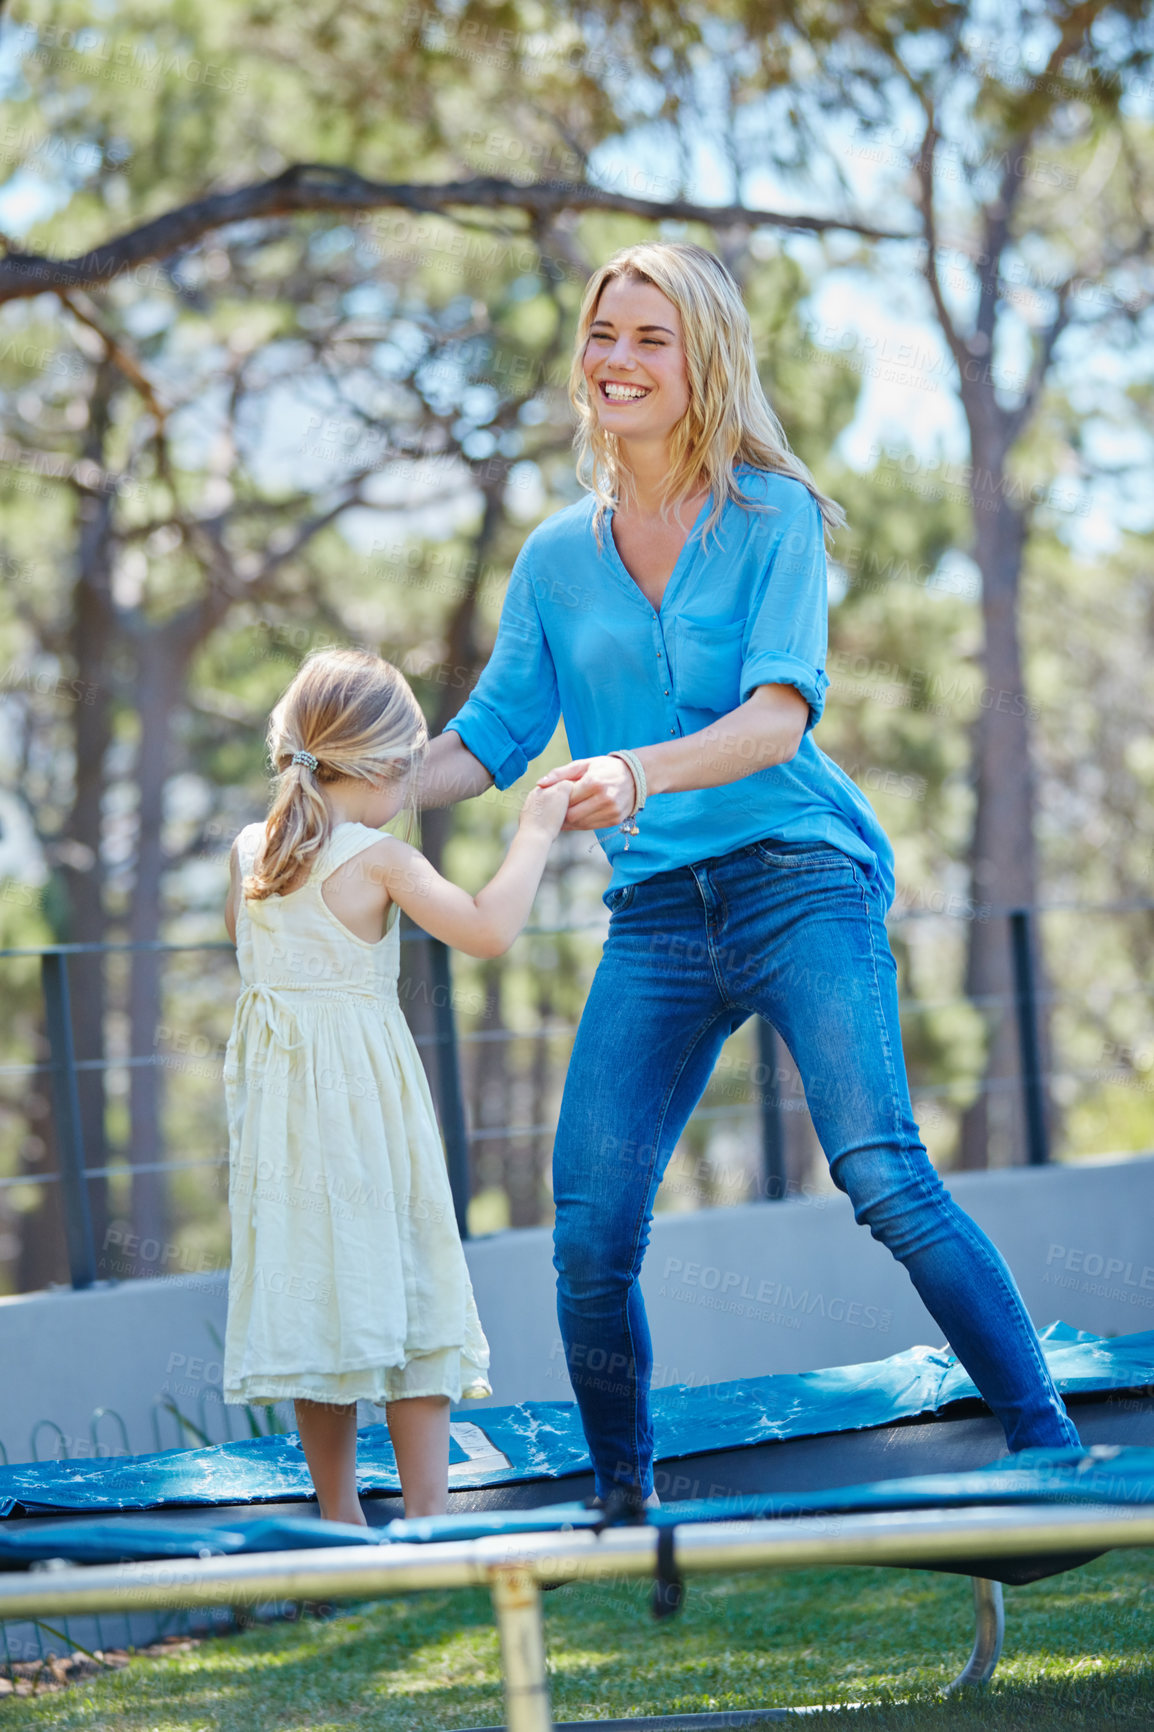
352,420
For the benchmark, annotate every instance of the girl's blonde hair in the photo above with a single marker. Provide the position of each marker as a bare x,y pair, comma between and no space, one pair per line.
728,421
357,716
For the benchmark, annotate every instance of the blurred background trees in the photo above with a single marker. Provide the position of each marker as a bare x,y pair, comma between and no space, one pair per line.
333,426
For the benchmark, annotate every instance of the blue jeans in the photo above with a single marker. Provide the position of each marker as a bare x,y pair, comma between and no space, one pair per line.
795,932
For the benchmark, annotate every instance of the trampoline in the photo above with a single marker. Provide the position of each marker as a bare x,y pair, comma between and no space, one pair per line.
894,1463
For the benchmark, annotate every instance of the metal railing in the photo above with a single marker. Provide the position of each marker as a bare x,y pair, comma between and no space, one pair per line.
74,1175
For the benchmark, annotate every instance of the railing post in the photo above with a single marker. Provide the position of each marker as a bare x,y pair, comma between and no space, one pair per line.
66,1119
1029,1046
450,1099
772,1132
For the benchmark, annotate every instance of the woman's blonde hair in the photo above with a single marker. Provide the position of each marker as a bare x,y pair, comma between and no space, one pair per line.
728,421
358,718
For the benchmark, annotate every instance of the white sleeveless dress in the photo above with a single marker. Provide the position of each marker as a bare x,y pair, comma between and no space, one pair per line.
348,1280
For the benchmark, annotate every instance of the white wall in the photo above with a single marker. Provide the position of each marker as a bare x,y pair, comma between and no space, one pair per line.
731,1293
796,1285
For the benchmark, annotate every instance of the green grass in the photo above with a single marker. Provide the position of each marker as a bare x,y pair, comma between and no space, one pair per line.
1078,1658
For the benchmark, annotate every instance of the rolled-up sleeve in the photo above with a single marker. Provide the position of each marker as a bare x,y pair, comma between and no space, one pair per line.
788,624
512,711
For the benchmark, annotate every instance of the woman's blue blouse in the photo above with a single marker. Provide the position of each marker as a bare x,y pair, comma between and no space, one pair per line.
577,638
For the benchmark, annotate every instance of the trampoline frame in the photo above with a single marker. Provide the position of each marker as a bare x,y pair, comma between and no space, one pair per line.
514,1567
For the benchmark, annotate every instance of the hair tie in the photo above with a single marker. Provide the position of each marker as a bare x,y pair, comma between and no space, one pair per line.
307,759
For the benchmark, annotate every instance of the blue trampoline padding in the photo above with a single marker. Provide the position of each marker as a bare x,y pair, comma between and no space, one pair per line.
1102,1475
543,1440
128,1539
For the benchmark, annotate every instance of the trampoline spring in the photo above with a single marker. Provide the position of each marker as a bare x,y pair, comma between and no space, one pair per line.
99,1413
52,1425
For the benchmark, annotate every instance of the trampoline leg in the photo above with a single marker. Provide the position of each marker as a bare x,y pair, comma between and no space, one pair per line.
517,1604
989,1617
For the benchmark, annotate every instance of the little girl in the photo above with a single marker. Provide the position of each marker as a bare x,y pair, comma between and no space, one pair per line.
348,1279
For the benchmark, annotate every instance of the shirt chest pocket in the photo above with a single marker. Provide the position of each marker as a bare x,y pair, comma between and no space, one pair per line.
707,663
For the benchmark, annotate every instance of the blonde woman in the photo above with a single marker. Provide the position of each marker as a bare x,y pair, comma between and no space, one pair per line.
348,1281
676,620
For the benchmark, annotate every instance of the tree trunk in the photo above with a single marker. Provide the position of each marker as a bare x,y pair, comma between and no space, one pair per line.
42,1258
159,683
93,631
78,914
1003,855
462,653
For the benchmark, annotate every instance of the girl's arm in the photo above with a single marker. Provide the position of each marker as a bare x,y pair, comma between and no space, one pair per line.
486,924
233,901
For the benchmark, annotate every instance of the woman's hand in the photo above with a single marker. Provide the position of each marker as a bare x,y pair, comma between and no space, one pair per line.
602,792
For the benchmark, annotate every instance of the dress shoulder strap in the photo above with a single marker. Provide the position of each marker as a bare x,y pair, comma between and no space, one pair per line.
247,847
345,843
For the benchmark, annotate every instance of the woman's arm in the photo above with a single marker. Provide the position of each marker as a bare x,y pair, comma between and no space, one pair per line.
511,713
450,773
766,729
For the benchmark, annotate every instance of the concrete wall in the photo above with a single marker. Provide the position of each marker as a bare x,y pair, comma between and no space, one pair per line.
731,1293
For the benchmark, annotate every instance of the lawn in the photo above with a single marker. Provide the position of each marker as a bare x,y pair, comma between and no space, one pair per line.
1077,1659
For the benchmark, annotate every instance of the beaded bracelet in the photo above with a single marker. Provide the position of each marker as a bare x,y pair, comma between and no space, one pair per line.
640,790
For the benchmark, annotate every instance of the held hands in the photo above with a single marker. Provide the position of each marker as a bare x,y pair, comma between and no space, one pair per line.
602,792
544,809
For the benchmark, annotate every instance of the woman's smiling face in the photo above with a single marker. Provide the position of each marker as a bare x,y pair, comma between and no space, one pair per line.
634,361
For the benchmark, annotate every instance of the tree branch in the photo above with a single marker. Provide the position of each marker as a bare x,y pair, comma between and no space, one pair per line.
86,314
997,217
924,167
1016,419
311,187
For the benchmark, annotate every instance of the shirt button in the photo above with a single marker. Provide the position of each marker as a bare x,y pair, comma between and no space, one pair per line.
667,694
673,730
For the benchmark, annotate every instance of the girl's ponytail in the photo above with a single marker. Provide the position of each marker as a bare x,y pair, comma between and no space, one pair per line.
354,716
296,830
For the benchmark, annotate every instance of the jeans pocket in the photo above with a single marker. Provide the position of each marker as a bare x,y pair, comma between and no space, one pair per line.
619,899
792,856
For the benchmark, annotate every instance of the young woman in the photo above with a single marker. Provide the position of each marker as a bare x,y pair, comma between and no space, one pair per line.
676,619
